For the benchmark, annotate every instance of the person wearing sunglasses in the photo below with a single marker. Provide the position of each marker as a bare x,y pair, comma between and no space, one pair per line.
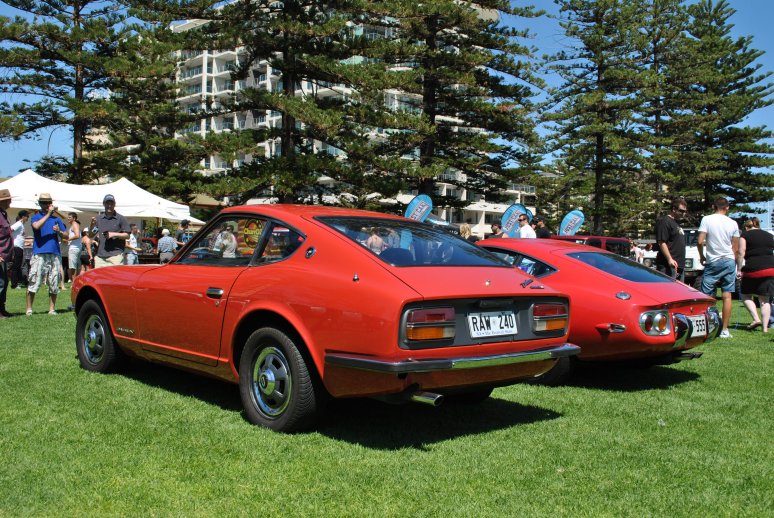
670,239
525,229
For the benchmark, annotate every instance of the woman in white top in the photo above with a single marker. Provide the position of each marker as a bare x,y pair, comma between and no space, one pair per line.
74,248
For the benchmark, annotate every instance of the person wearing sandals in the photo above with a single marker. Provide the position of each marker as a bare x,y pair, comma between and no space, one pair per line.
756,247
46,257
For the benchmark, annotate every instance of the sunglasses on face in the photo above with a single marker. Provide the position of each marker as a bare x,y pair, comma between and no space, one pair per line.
681,211
522,219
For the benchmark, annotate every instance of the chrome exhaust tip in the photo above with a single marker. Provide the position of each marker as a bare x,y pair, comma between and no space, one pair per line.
427,398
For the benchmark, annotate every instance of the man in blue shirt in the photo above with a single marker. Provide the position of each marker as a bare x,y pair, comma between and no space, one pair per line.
46,257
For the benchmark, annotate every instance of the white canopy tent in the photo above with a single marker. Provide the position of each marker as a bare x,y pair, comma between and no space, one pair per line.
131,201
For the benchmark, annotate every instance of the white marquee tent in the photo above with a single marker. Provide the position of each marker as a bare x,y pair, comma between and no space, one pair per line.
131,201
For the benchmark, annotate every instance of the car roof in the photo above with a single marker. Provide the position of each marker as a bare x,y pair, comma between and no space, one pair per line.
583,236
533,246
287,212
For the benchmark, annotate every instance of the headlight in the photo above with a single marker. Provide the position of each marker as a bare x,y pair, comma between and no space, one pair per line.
655,323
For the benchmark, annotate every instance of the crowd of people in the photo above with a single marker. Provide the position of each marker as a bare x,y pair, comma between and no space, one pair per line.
730,258
62,251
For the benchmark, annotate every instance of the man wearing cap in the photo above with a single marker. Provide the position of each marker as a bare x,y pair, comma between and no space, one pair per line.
46,257
113,233
6,248
541,231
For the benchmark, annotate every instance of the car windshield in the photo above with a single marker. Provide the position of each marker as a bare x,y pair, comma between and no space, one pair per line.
407,243
620,267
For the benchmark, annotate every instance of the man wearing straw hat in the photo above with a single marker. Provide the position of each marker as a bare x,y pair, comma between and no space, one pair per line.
46,257
6,248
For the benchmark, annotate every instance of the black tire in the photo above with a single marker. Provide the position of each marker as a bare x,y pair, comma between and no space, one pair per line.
278,391
97,349
472,397
558,375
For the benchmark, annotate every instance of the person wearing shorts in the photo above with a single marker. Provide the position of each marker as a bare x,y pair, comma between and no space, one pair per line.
718,244
46,260
74,245
112,235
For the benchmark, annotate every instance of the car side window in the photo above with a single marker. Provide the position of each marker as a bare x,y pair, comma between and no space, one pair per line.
231,242
524,263
280,244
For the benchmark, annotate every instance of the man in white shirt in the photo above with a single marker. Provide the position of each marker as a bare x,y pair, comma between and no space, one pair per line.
525,229
17,229
719,234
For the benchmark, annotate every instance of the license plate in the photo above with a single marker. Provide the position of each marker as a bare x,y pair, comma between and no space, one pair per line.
699,326
491,323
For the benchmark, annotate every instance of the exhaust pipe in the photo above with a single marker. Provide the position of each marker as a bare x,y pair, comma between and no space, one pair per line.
426,398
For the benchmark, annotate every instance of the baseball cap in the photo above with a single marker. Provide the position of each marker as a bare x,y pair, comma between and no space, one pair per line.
107,198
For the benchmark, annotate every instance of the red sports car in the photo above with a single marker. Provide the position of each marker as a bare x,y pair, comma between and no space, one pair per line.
622,310
298,303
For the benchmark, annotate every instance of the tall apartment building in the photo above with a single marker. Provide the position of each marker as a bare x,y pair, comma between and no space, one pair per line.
204,79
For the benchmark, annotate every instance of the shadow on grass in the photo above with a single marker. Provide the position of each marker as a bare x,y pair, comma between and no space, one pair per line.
367,422
629,379
378,425
215,392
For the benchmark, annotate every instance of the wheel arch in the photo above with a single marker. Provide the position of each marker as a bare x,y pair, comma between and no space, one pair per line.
259,318
89,293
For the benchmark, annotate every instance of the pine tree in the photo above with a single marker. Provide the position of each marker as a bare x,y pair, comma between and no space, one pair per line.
594,131
459,86
60,56
718,154
140,134
660,49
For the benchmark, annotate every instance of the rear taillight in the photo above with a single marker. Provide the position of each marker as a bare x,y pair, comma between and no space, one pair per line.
655,323
430,324
549,317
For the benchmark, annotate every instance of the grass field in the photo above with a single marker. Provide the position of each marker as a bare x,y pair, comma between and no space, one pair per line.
693,439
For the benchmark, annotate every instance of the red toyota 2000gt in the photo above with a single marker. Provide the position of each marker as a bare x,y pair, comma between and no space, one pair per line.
298,303
622,310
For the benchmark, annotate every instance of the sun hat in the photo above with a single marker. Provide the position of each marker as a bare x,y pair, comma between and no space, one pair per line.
44,196
5,194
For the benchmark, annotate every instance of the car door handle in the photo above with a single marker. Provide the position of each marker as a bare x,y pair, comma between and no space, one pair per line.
214,293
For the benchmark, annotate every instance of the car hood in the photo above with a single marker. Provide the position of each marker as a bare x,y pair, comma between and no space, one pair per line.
470,281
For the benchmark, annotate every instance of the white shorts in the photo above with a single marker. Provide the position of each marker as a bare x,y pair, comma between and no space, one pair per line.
44,268
74,258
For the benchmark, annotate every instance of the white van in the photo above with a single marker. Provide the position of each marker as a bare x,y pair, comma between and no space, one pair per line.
693,267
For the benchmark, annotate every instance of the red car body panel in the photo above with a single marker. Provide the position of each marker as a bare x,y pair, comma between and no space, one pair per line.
340,299
597,311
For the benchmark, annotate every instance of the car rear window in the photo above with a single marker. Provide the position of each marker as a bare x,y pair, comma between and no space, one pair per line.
620,267
406,243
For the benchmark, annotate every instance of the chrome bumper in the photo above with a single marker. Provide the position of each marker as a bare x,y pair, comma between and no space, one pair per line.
476,362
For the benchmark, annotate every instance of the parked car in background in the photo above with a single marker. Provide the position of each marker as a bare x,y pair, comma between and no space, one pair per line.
693,268
300,303
622,310
618,245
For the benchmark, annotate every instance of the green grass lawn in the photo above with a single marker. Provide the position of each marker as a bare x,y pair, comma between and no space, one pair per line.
693,439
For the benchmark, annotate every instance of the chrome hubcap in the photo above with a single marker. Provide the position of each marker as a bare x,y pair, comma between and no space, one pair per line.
272,382
94,339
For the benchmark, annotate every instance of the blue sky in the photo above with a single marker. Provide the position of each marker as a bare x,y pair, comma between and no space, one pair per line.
753,17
